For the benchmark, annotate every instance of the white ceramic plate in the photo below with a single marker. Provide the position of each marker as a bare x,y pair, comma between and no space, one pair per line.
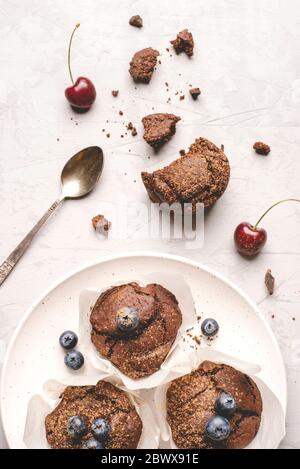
33,355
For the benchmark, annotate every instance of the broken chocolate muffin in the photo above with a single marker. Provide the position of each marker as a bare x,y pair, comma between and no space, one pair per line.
134,327
89,403
191,402
136,21
199,176
142,65
159,128
184,42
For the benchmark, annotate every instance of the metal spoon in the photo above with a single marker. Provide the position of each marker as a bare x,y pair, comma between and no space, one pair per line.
79,177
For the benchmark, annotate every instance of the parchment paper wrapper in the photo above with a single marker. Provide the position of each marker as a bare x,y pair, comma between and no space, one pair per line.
169,370
272,427
42,404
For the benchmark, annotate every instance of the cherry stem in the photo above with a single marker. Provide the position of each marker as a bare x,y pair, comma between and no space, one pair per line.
69,52
272,206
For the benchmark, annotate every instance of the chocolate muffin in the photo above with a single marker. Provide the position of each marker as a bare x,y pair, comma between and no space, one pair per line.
184,42
135,327
191,403
142,65
159,128
199,176
103,401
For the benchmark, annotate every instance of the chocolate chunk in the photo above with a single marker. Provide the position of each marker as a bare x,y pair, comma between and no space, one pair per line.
200,176
184,42
269,282
101,224
115,93
195,92
142,65
136,21
261,148
182,152
159,128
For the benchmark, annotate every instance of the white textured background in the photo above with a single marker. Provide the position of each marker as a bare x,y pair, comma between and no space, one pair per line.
247,64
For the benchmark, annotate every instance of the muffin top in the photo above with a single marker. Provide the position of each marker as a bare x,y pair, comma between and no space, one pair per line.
191,403
102,401
135,327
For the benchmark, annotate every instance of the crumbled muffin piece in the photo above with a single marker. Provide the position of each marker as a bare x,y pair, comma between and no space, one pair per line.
200,176
261,148
142,65
136,21
195,92
101,224
269,281
184,42
159,128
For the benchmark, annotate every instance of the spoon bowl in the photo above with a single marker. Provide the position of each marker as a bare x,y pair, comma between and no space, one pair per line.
81,173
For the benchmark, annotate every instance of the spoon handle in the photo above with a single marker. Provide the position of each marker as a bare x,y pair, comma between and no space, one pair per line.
17,253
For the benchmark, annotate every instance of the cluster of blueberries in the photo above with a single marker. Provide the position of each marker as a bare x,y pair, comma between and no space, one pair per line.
73,358
218,427
100,429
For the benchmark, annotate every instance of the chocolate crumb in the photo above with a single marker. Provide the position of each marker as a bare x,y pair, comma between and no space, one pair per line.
121,113
184,43
222,147
107,135
195,92
261,148
182,97
134,132
136,21
101,224
115,93
269,282
182,152
197,340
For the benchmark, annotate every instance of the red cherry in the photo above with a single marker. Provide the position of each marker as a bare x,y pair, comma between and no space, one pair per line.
82,93
249,240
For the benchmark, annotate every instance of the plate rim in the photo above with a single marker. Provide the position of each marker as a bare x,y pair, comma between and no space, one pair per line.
124,255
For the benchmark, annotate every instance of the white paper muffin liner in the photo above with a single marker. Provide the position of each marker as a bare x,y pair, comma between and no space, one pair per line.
169,369
45,402
272,426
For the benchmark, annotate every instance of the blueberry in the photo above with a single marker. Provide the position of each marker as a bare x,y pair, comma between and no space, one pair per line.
68,340
76,427
92,444
217,428
74,359
127,318
209,327
100,429
225,405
